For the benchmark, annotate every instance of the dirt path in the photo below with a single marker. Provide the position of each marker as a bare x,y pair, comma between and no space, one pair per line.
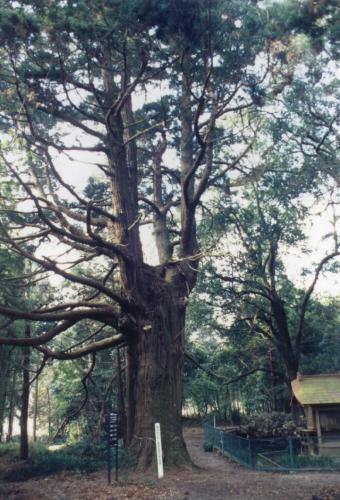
216,478
221,478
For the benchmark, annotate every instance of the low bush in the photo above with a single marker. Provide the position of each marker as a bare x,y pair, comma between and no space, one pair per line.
80,457
207,446
9,450
276,424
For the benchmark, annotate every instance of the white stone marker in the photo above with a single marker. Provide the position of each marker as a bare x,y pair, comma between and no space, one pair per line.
159,451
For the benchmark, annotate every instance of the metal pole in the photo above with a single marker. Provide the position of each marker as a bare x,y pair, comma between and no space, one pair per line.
108,461
251,453
117,462
291,451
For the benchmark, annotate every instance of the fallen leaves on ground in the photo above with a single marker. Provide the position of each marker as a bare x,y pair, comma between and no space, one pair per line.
215,478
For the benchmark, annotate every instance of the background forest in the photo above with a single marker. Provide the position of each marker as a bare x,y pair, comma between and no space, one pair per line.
202,207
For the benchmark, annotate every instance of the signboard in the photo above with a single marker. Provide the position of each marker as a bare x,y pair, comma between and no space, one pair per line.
113,429
159,451
113,434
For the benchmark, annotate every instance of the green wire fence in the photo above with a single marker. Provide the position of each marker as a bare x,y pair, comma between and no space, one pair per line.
288,453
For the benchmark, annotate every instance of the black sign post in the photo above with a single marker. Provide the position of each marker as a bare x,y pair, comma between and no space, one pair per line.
112,441
108,462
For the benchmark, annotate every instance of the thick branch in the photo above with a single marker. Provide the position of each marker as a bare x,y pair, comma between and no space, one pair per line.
305,300
115,340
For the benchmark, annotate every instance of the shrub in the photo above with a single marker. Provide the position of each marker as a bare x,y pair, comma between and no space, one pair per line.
80,457
274,424
207,446
9,450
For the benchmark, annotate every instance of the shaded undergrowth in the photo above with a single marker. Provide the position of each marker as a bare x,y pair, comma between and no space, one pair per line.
45,460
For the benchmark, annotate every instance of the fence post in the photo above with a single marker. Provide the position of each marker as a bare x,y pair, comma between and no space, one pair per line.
251,453
159,452
222,443
291,451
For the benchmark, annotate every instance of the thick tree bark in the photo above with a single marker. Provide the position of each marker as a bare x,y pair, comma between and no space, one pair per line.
120,395
131,367
158,358
283,337
25,400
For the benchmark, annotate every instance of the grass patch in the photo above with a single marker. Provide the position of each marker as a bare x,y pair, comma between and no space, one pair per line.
299,461
305,461
79,457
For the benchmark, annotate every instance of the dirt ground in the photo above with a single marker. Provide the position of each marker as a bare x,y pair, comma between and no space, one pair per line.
215,478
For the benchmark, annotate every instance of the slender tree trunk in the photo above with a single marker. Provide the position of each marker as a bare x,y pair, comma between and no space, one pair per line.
2,421
11,408
35,414
273,380
158,392
25,400
49,413
2,413
10,419
5,368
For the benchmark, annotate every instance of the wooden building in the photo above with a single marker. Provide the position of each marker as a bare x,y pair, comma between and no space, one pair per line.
320,397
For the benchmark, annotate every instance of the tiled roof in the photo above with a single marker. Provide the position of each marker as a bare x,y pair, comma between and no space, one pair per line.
317,389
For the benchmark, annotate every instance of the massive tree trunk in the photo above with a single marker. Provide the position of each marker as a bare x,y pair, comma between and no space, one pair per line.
155,352
120,395
158,357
